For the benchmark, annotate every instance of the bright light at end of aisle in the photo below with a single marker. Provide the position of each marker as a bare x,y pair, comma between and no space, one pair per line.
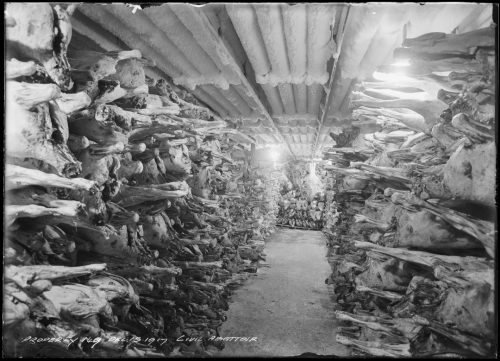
274,154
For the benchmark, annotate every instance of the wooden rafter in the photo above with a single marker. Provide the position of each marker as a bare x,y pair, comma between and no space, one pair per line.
244,81
323,111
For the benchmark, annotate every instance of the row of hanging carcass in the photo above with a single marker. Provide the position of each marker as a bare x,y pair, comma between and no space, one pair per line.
298,212
303,203
126,224
413,243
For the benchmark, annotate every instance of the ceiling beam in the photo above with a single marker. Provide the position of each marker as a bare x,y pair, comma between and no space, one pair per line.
328,95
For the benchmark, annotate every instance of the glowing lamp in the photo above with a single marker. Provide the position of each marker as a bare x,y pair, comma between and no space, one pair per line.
274,155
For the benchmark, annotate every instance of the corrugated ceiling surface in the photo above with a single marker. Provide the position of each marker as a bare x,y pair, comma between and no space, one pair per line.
268,66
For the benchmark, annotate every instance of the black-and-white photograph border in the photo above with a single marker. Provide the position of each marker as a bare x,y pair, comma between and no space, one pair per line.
250,180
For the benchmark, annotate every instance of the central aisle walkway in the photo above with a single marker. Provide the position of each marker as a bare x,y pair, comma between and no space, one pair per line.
286,306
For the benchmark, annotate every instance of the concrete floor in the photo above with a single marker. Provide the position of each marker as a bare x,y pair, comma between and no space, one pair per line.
287,305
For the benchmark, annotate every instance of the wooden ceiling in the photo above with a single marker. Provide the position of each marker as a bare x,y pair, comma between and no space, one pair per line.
282,72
